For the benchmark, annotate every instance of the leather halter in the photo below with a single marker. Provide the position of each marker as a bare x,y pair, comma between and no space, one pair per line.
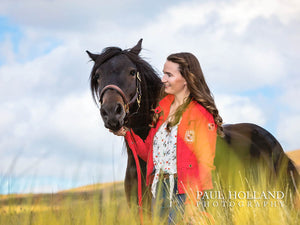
127,103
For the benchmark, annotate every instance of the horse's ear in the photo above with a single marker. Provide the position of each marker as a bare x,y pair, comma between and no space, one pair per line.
92,56
137,49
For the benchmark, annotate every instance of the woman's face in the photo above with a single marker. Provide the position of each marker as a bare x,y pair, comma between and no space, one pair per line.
173,80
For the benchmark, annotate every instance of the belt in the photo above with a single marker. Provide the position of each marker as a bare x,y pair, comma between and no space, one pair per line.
166,176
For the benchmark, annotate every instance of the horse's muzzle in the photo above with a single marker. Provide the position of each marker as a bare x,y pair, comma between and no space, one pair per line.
113,115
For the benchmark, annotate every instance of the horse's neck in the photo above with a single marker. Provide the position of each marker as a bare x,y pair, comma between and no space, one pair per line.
141,120
141,131
150,92
140,124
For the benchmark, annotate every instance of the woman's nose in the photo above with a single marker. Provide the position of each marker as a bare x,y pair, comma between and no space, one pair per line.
163,79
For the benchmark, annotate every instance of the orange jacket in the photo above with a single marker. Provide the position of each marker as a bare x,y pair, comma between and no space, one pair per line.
196,141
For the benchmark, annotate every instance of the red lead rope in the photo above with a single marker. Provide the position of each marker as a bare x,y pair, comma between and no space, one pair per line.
138,170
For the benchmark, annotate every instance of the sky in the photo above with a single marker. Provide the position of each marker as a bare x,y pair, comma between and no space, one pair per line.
51,135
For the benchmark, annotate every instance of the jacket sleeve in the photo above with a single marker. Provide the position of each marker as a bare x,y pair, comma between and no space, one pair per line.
142,147
205,145
204,150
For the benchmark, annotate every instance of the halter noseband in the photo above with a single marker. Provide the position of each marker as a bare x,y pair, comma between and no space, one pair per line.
127,103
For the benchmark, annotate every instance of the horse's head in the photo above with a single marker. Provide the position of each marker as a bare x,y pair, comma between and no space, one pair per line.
115,82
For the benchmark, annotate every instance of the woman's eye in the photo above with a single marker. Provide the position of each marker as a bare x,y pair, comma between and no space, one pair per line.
132,72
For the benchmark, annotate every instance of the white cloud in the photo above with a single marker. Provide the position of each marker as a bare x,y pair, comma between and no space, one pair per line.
74,122
289,120
63,70
237,109
288,131
6,120
50,127
291,93
233,57
6,50
46,110
241,13
61,14
76,119
64,139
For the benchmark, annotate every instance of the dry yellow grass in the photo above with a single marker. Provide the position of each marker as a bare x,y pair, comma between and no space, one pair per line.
106,204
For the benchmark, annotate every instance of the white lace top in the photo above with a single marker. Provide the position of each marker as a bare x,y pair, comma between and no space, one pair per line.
164,155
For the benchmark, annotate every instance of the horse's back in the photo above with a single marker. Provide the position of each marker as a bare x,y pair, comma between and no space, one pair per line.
249,149
252,138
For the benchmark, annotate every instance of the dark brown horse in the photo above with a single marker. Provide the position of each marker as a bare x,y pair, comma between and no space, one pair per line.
128,88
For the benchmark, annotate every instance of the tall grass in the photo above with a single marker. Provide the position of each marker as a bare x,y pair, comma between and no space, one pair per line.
255,200
100,206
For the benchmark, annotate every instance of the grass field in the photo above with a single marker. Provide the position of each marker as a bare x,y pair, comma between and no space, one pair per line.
95,204
106,204
250,202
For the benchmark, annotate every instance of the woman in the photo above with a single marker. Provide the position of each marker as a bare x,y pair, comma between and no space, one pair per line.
180,147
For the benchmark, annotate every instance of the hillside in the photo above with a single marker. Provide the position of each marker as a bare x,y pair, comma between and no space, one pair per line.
295,156
88,192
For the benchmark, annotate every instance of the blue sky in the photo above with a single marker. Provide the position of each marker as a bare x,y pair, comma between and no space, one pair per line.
51,135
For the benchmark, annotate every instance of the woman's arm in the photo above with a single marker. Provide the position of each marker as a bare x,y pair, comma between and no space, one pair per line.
205,146
142,147
134,141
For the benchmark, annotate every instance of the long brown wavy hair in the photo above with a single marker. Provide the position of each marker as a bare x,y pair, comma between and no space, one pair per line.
190,69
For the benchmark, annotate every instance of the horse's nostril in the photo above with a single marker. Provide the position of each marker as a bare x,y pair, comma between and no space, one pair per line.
103,112
113,125
119,109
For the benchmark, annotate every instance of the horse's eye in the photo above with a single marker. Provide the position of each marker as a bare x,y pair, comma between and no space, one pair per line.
132,72
96,77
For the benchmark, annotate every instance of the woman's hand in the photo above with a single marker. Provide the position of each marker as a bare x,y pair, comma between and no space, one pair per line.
121,132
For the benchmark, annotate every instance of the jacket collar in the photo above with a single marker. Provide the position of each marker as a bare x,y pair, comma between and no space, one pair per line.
165,104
